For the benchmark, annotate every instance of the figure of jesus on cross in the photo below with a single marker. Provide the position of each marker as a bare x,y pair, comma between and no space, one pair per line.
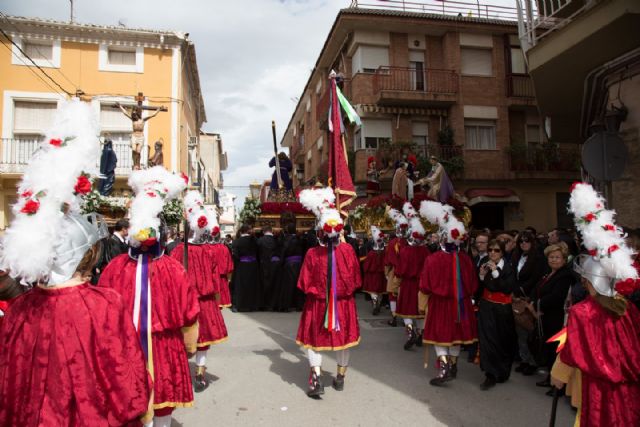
134,113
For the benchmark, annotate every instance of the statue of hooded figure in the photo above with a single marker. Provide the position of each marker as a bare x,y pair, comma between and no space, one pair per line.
108,162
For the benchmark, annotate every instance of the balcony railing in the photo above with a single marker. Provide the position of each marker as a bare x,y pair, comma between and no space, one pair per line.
520,86
430,81
545,157
482,9
16,153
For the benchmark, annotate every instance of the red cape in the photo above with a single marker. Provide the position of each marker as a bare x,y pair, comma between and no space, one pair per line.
313,282
374,280
174,304
607,351
224,265
444,325
70,357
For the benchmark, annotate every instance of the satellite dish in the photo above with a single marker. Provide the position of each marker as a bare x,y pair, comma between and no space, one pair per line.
604,156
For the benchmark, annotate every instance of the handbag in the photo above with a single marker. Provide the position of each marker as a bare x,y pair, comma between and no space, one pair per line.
522,316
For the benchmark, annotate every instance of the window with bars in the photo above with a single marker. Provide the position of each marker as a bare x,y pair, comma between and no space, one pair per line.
476,61
480,134
32,118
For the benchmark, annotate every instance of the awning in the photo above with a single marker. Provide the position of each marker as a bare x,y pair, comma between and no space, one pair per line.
374,108
490,195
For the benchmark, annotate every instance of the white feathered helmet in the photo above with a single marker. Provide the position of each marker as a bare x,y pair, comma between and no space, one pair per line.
450,228
212,219
48,237
152,187
378,237
610,260
197,215
416,229
402,224
320,201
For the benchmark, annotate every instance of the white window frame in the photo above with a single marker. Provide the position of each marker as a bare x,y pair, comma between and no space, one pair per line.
365,131
359,63
9,102
480,123
319,143
103,59
418,123
19,59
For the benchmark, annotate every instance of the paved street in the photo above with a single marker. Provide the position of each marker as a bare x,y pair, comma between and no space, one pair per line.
259,377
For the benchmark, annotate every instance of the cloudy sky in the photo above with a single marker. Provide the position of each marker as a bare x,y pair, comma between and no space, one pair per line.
254,58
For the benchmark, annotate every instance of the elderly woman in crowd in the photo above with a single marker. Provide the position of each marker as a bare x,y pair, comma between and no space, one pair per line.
529,265
548,302
496,329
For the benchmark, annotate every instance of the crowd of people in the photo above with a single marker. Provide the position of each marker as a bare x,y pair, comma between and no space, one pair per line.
98,329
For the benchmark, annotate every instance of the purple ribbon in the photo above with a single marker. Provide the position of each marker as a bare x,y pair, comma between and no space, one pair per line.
293,258
275,259
144,306
247,258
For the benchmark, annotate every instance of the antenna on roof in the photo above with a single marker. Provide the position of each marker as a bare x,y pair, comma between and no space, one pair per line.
71,12
122,22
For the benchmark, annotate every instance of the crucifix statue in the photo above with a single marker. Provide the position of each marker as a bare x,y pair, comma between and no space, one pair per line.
134,113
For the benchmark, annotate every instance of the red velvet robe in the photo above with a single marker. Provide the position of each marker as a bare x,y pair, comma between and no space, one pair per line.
313,282
409,268
70,357
173,306
392,251
224,263
606,349
205,278
444,326
374,281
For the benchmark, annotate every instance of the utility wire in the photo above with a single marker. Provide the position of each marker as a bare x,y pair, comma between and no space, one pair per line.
6,18
33,71
34,63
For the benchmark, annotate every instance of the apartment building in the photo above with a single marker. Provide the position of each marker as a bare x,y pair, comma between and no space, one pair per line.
211,160
437,81
103,65
584,59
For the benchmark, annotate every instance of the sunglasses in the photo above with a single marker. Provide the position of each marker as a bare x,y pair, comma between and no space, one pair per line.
524,240
496,250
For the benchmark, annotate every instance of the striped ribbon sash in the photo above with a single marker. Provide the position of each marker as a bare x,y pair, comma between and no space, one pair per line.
331,321
142,309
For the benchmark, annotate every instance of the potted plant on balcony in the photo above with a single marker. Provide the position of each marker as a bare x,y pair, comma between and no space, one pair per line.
517,152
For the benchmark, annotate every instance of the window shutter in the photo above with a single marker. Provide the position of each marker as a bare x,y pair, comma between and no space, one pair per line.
112,119
476,62
33,117
122,57
38,51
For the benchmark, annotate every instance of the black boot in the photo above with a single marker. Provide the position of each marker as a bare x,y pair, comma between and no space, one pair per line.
200,383
442,366
376,305
419,338
411,337
315,385
453,367
488,383
393,321
338,381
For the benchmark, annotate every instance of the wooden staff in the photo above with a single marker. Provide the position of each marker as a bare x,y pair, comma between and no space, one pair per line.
275,153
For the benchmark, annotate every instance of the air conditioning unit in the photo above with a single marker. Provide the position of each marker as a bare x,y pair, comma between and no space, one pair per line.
193,141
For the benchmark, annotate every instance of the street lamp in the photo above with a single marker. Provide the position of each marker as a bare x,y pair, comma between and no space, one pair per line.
254,190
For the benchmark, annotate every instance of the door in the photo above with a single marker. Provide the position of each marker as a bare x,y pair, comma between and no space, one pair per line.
417,70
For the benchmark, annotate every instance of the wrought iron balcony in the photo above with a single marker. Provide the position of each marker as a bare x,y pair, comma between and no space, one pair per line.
16,153
545,158
411,86
520,86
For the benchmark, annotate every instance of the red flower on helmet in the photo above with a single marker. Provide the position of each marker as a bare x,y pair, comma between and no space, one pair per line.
627,287
416,235
202,221
83,185
215,231
56,142
151,194
185,178
590,217
455,233
327,228
593,252
575,184
149,242
30,207
404,225
338,227
612,249
26,194
609,227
